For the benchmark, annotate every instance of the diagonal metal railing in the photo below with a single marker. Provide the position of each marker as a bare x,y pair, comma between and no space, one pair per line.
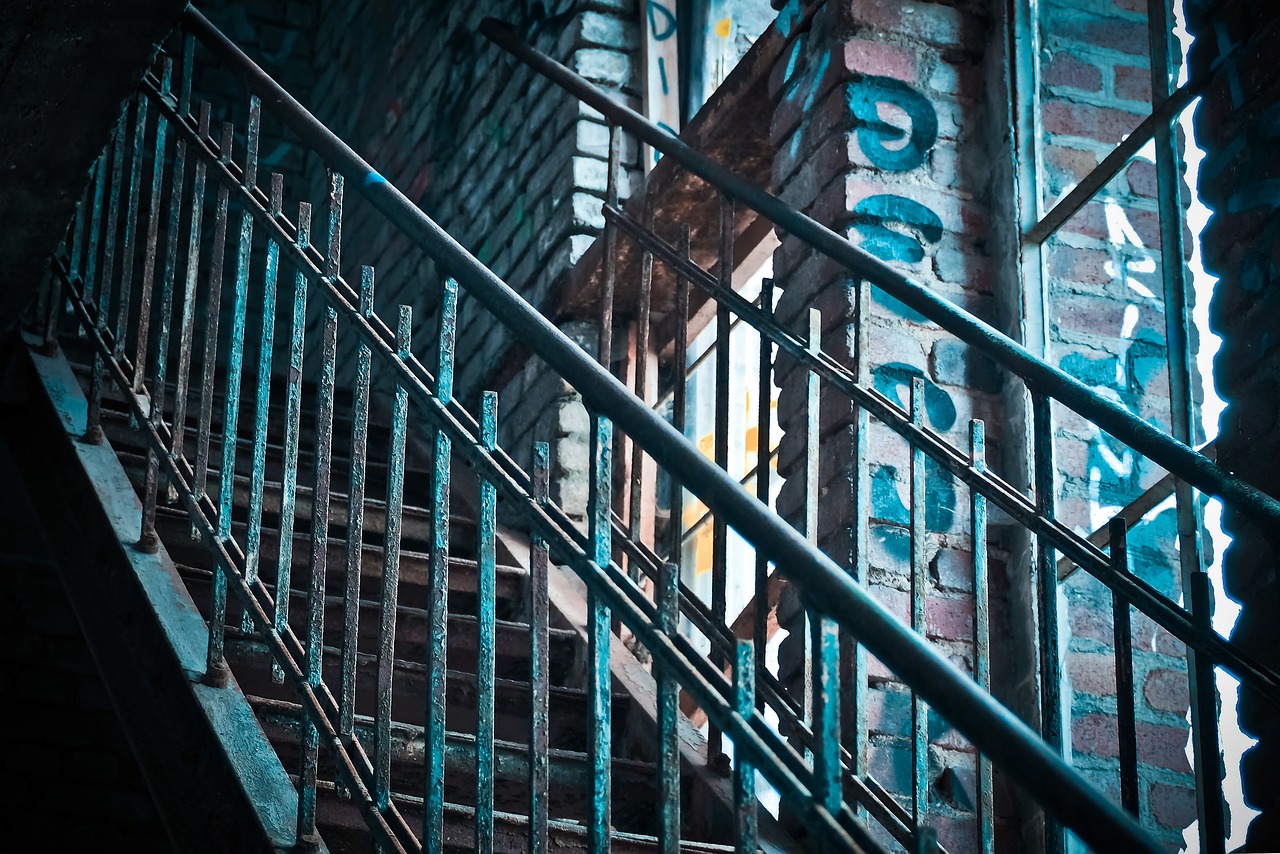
125,355
1188,620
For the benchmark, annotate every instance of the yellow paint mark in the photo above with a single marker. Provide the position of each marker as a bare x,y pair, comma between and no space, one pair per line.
702,550
707,445
722,27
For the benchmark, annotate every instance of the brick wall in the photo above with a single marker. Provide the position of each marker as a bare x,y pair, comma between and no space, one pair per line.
1106,326
1238,125
878,128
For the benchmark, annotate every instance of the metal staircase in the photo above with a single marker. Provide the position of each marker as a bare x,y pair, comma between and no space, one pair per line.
395,596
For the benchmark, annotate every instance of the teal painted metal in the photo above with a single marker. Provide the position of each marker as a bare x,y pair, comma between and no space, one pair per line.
487,650
539,665
1047,612
292,432
186,337
262,398
981,629
129,240
668,605
1126,704
391,572
93,428
919,588
599,630
744,774
319,565
145,301
355,511
720,450
89,283
438,602
859,561
212,321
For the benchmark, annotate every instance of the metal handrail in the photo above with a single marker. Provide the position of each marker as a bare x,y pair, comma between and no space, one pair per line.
1172,455
991,727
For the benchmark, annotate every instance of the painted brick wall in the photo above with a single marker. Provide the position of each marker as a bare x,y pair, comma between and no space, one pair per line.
878,126
1106,326
1238,125
512,168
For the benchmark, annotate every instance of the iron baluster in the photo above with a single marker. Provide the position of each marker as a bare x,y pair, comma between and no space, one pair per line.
438,603
1047,612
145,300
668,712
1208,752
744,775
604,350
355,509
719,528
93,426
139,103
292,431
636,498
679,395
262,398
1126,707
213,317
981,629
391,572
187,335
598,634
486,594
919,580
860,486
539,666
319,564
764,474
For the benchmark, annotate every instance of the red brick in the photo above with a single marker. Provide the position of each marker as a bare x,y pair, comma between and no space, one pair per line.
1092,266
1166,691
1139,6
1141,176
863,56
1133,83
950,619
1164,746
1173,806
1103,124
1072,162
1065,70
1092,624
1094,735
1092,673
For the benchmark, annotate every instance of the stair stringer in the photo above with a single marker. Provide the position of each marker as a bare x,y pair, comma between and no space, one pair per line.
215,779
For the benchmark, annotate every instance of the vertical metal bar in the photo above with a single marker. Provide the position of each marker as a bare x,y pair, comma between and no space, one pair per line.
89,285
262,398
981,626
812,467
539,667
130,226
599,631
93,426
860,485
636,497
719,529
355,511
235,370
292,431
212,318
188,62
172,237
919,578
764,469
391,571
1051,713
1204,703
1208,756
438,605
679,394
604,351
76,244
189,289
333,253
1126,704
319,561
668,712
153,240
744,773
486,619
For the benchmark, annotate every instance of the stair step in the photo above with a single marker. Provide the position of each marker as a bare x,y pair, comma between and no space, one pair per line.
568,709
570,790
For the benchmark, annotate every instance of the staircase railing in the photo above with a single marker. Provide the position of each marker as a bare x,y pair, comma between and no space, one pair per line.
139,366
1045,385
